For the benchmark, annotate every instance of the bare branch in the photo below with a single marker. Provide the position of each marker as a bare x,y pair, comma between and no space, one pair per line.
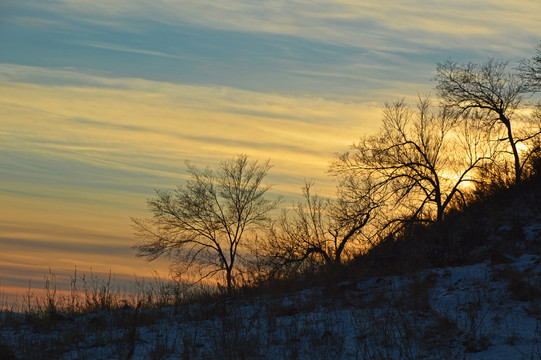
488,93
203,223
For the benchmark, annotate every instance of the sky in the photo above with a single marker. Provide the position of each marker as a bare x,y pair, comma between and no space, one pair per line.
103,101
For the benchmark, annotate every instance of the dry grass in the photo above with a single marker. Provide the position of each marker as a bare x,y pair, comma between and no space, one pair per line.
386,318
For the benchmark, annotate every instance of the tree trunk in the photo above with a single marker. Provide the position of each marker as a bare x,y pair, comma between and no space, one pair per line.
229,279
439,215
518,168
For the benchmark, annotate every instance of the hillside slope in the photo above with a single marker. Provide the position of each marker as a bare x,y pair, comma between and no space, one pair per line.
479,311
469,288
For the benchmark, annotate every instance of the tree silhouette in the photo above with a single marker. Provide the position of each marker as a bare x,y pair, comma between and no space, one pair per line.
421,160
530,70
492,94
319,230
203,223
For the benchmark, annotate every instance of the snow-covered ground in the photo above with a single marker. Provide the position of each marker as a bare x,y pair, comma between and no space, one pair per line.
481,311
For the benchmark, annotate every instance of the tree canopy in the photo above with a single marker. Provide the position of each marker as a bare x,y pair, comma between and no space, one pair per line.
203,223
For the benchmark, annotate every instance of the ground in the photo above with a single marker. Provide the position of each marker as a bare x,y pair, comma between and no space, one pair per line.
480,311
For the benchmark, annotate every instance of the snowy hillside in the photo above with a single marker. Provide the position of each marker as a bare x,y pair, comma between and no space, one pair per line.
480,311
468,288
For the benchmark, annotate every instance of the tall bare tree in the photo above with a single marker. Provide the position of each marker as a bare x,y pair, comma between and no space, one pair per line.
422,159
494,95
204,223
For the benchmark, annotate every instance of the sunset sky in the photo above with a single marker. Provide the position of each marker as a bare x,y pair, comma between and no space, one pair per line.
102,101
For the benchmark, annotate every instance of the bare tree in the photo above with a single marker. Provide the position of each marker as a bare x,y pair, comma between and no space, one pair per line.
320,230
421,160
203,223
530,70
494,95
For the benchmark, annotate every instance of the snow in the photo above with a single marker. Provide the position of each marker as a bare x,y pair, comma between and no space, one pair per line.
466,312
532,232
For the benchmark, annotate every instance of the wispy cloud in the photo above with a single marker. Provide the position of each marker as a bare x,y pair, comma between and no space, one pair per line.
30,248
388,25
328,48
116,47
336,47
142,126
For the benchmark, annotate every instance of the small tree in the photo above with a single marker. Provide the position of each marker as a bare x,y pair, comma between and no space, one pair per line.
203,224
493,95
420,160
322,231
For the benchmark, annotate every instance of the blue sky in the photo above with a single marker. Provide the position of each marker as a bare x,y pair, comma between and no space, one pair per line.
103,101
